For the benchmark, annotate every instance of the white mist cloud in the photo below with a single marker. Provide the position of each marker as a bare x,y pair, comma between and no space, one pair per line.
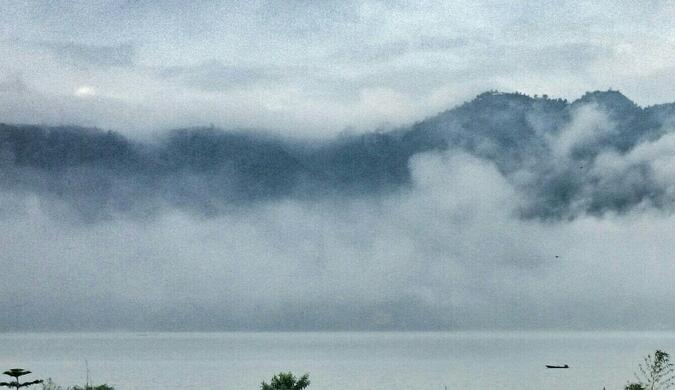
589,125
449,252
85,91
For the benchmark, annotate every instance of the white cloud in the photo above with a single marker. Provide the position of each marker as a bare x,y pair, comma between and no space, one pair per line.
450,252
589,125
85,91
426,57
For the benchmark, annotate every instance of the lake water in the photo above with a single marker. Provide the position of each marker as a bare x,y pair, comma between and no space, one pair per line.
344,361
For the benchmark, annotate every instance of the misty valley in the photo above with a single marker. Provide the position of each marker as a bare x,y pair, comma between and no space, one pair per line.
331,195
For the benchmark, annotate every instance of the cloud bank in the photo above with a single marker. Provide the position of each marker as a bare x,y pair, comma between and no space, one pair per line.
506,212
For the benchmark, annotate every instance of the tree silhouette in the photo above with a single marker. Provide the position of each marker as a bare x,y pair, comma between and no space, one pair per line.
287,381
16,373
655,373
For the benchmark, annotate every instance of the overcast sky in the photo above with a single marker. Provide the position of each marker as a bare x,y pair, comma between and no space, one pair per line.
316,67
568,227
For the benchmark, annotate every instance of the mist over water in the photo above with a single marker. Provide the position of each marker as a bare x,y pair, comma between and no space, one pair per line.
410,360
384,194
507,212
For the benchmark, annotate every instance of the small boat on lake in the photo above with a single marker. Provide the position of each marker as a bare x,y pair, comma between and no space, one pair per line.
551,366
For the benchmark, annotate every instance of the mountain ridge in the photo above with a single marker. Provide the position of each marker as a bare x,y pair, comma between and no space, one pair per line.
102,173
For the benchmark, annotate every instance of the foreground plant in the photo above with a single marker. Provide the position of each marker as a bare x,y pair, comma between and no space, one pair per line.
50,385
656,373
287,381
17,373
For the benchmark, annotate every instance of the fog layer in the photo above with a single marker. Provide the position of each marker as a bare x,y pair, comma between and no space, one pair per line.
507,212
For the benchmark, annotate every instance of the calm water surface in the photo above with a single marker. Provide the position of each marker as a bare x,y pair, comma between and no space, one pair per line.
344,361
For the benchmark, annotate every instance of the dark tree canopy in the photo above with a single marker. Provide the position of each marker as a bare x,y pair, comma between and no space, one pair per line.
16,373
287,381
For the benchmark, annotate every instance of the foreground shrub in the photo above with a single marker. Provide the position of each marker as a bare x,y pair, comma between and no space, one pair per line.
656,373
16,373
50,385
286,381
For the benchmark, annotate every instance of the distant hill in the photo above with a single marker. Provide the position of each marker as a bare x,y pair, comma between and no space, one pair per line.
547,148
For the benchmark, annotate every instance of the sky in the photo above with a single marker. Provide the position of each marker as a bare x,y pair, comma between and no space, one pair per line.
323,207
316,68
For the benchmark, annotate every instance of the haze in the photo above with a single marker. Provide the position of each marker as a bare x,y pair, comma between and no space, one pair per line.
313,166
